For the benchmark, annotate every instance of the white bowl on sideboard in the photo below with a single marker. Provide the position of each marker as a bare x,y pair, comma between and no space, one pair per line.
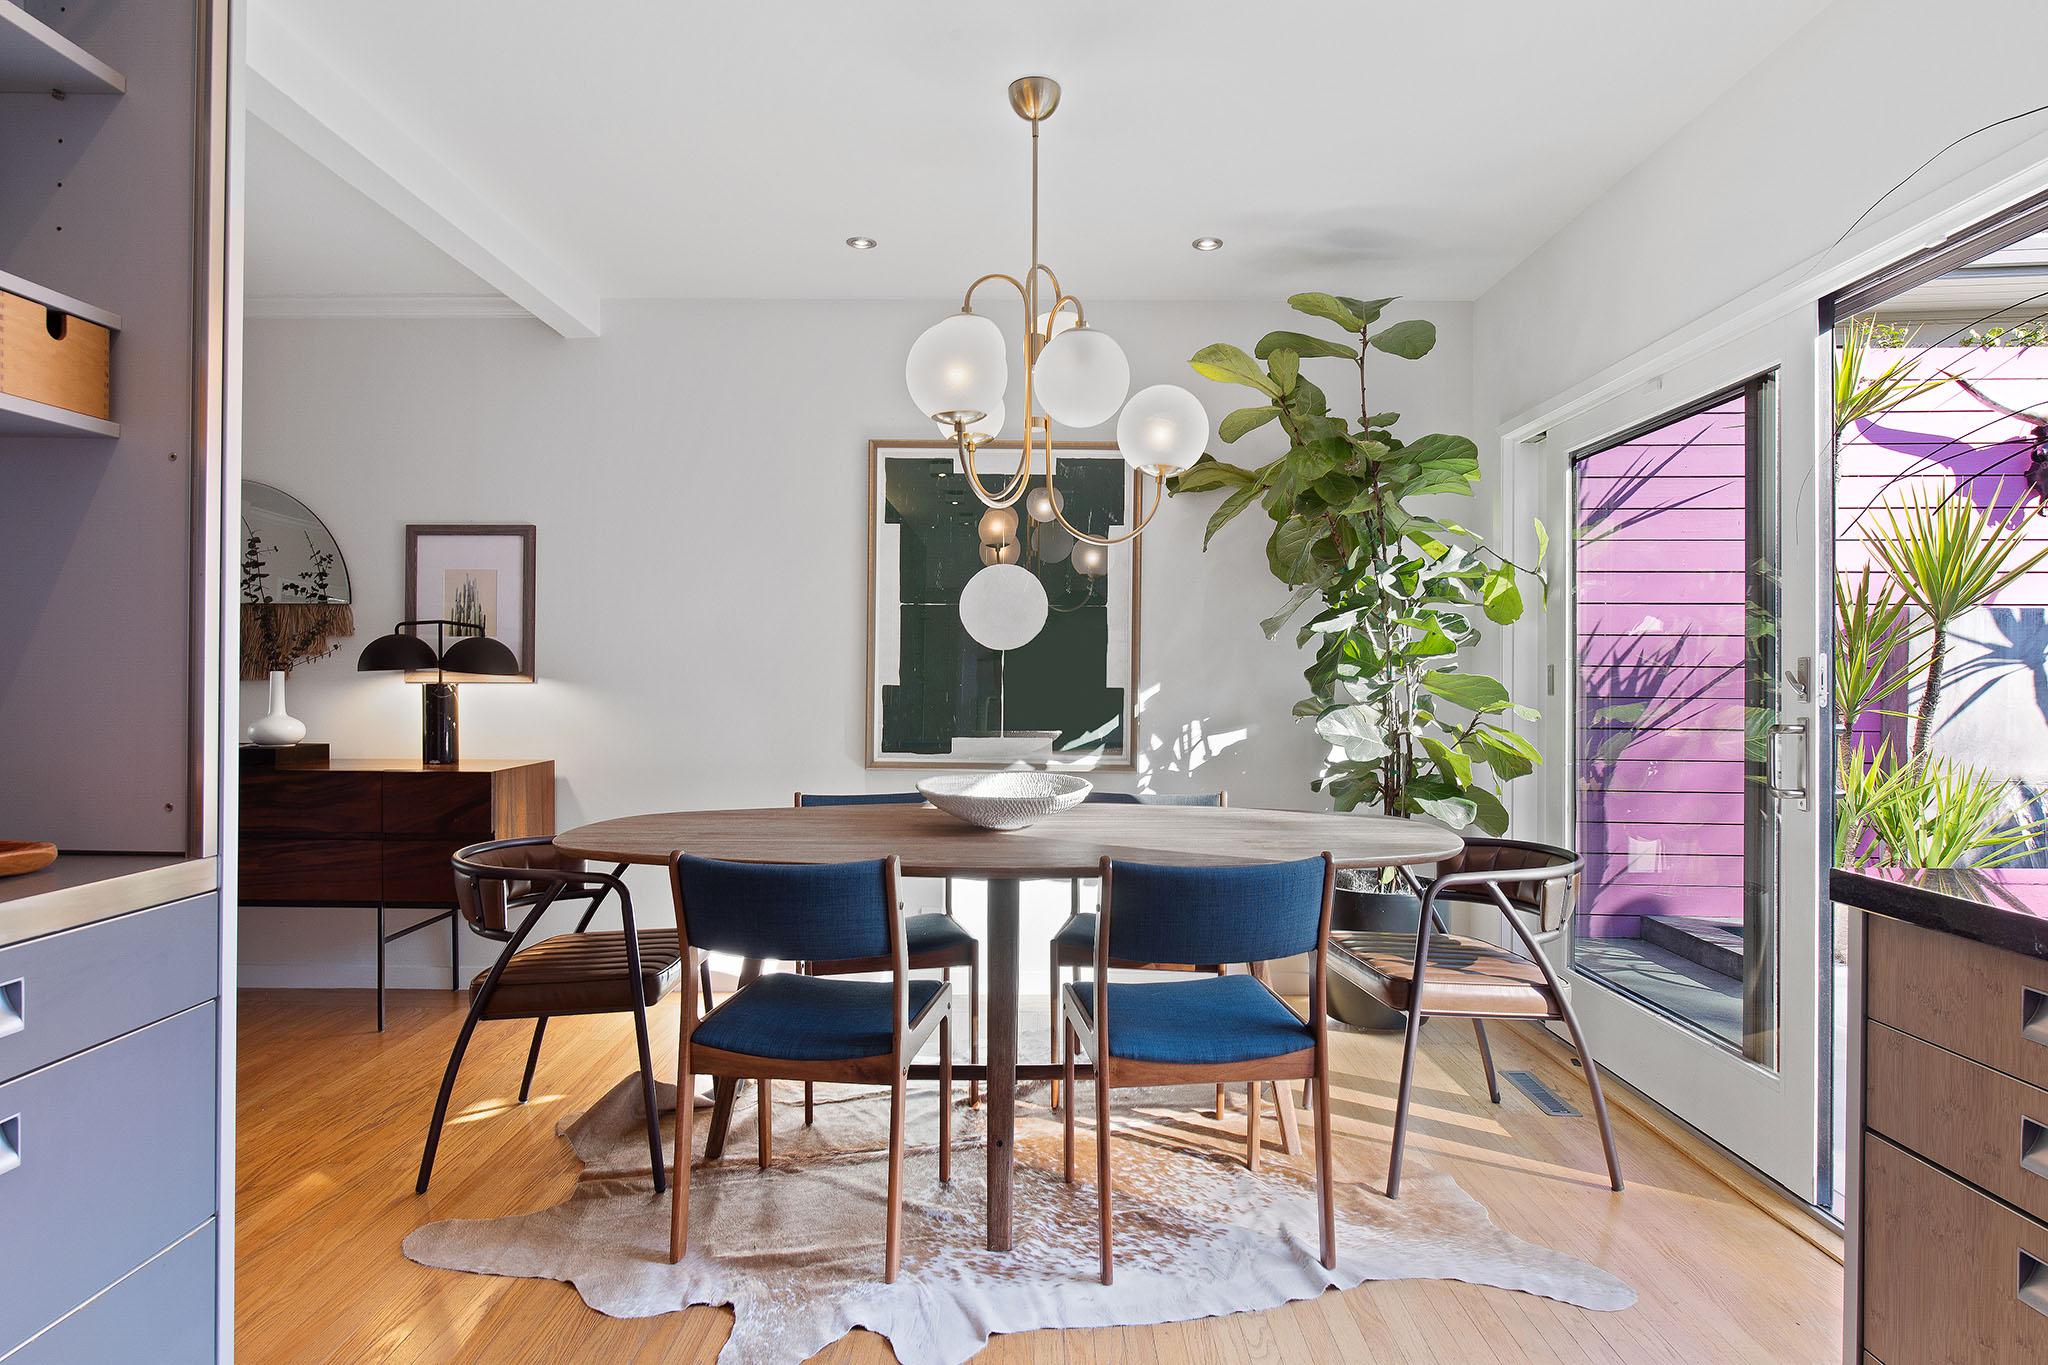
1009,800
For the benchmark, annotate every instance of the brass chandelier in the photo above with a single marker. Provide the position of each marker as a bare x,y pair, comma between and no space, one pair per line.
958,371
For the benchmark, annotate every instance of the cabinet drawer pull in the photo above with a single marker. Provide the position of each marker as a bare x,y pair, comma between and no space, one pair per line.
11,1017
2034,1015
2033,1291
10,1143
2034,1146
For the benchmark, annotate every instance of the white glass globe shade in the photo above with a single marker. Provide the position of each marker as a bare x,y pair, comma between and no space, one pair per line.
987,429
1063,322
1081,378
958,365
1004,607
998,526
1043,504
1091,559
1163,427
1055,543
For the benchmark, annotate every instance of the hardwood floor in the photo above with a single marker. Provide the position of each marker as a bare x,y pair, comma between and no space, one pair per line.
332,1115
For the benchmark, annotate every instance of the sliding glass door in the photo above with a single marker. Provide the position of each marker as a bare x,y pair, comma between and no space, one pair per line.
1687,714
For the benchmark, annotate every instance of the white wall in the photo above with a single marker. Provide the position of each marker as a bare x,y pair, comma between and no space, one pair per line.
1763,183
698,476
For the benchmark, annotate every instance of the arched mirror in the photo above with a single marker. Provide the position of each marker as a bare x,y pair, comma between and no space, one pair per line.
295,589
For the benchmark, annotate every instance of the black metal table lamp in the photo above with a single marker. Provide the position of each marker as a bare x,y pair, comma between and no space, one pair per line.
475,654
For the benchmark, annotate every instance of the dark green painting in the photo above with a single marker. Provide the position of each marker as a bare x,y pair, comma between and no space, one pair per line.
940,698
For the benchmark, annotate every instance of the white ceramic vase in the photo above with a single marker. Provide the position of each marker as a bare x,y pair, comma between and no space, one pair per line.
279,727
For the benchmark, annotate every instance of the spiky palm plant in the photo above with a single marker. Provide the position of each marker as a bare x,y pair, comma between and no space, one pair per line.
1859,397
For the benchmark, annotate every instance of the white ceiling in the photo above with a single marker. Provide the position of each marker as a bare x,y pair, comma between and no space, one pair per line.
661,149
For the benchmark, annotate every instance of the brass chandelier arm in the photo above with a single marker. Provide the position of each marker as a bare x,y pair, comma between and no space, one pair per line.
967,301
1012,491
1158,497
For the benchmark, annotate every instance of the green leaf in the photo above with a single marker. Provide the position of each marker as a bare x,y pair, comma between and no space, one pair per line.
1308,400
1244,420
1226,364
1286,367
1382,419
1355,732
1501,598
1473,691
1368,309
1491,815
1542,543
1328,306
1454,811
1303,345
1456,766
1228,511
1210,472
1409,340
1290,551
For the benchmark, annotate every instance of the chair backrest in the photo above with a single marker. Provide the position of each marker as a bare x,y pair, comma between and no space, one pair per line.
817,912
1160,798
490,878
861,799
1200,916
1538,878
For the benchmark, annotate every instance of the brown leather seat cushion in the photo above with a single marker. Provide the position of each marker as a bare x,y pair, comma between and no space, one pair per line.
1465,976
582,974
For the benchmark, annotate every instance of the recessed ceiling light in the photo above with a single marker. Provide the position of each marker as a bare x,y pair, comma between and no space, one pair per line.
1206,243
861,243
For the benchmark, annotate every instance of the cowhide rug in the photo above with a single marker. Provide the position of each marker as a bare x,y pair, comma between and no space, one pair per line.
796,1251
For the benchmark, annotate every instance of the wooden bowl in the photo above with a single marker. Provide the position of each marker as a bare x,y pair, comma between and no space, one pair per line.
18,856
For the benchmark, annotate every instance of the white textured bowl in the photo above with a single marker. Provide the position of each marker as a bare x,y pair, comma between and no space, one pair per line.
1005,800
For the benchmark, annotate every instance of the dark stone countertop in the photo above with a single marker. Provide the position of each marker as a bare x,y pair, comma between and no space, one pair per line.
2004,907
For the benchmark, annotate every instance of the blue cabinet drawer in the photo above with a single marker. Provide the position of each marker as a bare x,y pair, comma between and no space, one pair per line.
108,1158
162,1313
66,992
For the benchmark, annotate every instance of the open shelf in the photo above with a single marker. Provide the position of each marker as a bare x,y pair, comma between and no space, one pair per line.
36,59
26,417
63,303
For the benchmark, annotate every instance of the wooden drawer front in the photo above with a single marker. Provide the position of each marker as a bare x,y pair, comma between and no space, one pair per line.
109,1160
457,804
1950,1277
418,871
1986,1003
311,871
311,802
64,993
1981,1124
162,1313
51,357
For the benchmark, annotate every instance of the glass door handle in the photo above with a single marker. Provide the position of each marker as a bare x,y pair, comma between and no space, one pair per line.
1771,738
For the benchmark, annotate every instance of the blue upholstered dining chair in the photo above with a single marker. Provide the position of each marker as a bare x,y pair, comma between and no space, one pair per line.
1073,946
790,1026
1214,1029
936,940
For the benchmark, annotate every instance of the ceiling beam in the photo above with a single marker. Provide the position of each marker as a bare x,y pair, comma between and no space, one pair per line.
297,92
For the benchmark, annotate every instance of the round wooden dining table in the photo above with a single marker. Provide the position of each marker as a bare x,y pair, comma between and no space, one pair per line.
1069,845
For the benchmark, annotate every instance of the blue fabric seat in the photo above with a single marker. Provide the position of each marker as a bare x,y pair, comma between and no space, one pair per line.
810,1018
1077,932
928,933
1207,1021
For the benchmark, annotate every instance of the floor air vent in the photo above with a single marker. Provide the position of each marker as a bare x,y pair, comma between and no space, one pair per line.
1545,1098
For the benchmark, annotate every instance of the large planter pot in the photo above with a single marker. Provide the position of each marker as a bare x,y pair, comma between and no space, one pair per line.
1370,910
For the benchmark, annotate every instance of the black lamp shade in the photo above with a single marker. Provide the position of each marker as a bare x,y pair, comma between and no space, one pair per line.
397,652
480,654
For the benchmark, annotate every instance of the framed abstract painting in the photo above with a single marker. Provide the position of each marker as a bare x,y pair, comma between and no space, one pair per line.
476,572
1043,670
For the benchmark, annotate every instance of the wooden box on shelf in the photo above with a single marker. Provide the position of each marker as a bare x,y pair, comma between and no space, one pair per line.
49,356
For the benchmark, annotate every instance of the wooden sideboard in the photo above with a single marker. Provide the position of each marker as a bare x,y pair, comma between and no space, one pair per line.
378,833
1948,1224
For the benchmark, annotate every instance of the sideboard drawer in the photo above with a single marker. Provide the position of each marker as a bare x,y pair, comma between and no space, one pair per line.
310,871
456,804
65,992
1950,1277
310,801
1981,1124
419,871
109,1159
1988,1004
162,1313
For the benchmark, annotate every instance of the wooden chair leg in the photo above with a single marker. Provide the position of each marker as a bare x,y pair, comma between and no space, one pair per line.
892,1255
1067,1114
679,1183
946,1100
1401,1103
1251,1126
1326,1182
764,1144
804,970
1102,1178
1222,1091
1486,1060
540,1029
1053,976
974,1024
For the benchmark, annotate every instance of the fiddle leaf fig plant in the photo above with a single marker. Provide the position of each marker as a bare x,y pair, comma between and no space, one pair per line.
1400,593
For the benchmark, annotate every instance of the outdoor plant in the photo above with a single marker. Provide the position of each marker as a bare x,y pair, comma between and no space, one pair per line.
1932,813
1399,592
1864,397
